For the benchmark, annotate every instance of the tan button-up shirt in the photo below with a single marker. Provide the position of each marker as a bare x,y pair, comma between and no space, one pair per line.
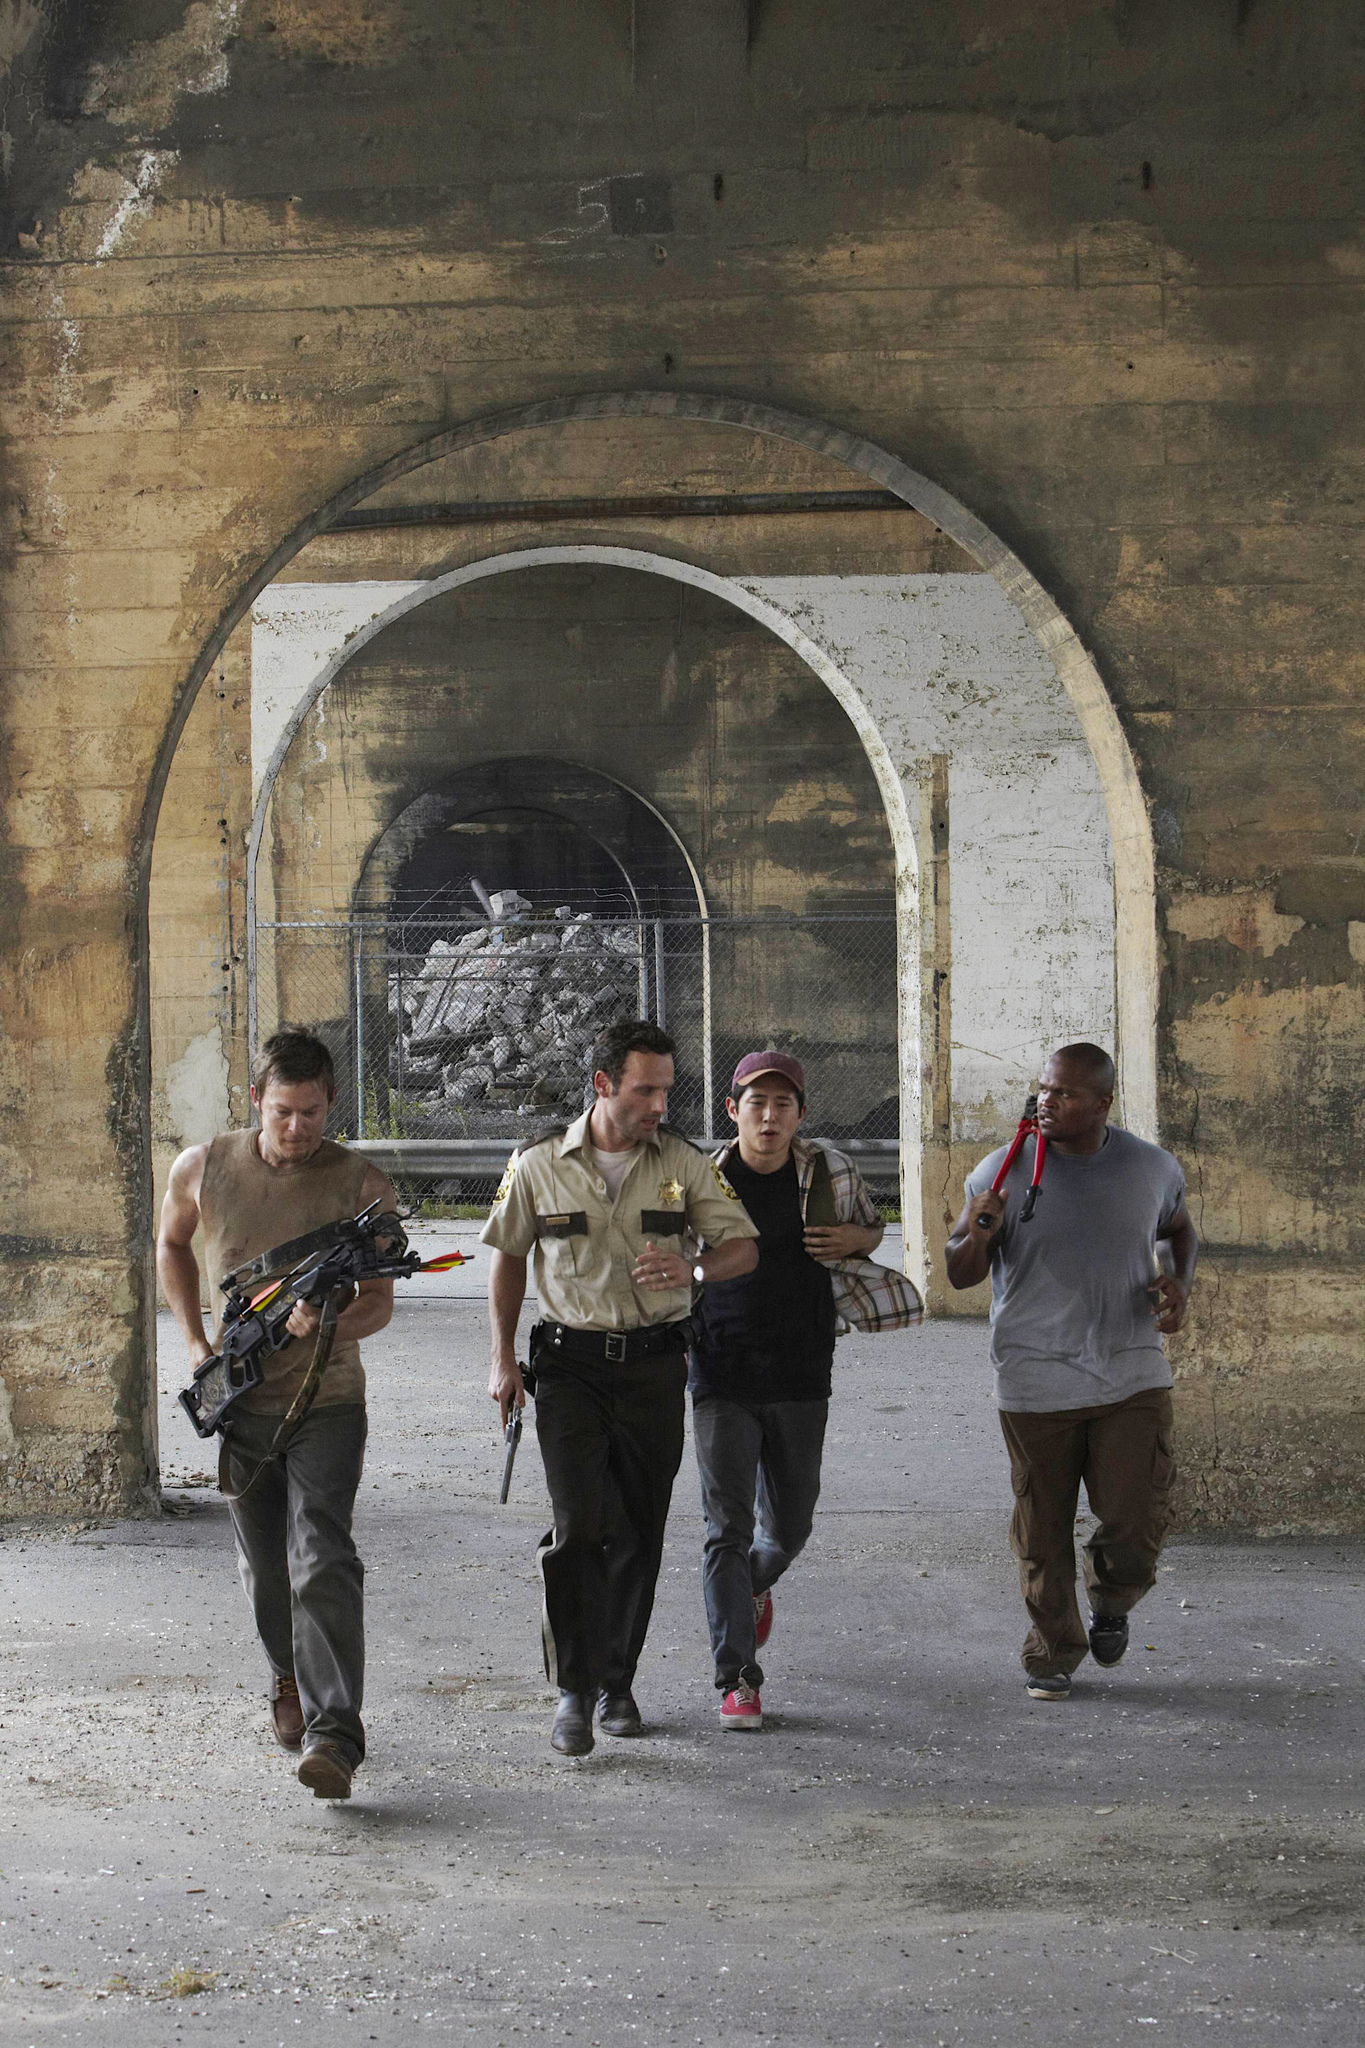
553,1200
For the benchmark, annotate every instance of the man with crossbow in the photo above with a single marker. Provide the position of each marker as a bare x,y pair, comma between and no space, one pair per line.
291,1490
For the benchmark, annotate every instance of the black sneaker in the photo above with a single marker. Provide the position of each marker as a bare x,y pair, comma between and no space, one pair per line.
1049,1685
1108,1637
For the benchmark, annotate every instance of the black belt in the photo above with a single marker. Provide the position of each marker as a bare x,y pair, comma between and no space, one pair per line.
616,1347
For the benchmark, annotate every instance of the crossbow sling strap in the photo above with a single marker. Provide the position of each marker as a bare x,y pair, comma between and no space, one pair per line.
298,1408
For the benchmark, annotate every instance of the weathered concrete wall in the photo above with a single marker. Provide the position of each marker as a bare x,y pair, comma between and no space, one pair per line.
1095,271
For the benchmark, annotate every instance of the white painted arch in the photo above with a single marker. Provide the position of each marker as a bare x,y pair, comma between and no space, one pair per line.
1130,831
899,797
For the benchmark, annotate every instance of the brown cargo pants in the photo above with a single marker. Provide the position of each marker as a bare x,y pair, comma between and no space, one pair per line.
1123,1454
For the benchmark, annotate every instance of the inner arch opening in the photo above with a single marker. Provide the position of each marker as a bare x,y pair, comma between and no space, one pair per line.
545,826
722,814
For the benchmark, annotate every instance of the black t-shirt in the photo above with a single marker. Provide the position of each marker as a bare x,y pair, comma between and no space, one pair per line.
768,1336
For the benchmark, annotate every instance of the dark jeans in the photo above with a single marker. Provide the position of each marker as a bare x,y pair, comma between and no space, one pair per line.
760,1479
611,1437
299,1564
1123,1453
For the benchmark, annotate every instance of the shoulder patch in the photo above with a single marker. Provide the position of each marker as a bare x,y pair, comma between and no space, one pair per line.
541,1138
509,1174
722,1183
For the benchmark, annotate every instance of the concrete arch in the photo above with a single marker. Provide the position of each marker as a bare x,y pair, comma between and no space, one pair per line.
781,623
895,801
901,820
1129,828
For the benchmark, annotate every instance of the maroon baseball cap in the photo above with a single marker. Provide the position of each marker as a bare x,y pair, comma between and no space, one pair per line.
770,1062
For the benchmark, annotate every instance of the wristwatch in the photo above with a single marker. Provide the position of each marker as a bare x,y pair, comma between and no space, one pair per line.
698,1275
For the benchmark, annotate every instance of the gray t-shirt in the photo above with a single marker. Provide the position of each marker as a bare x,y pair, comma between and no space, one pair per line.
1071,1315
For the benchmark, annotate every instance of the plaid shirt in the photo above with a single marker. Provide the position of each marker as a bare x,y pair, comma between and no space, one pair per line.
867,1297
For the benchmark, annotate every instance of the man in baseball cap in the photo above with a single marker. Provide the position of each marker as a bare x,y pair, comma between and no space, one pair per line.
762,1351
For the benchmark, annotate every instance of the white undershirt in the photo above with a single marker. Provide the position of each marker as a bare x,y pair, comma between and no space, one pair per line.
614,1166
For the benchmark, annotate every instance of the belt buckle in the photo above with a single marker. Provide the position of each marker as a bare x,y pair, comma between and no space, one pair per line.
614,1350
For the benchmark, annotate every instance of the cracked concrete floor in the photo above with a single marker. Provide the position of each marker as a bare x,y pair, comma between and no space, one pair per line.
910,1852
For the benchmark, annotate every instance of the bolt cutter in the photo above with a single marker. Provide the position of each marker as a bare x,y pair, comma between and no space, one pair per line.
1028,1127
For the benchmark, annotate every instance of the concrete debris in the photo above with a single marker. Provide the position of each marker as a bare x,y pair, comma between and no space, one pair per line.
506,1015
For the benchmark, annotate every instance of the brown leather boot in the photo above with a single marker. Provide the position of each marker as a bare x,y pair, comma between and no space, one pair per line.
325,1771
286,1715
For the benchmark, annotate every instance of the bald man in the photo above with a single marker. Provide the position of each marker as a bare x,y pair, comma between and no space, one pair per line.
1081,1296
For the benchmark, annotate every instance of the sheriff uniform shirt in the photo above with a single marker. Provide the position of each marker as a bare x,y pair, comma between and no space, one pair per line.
555,1203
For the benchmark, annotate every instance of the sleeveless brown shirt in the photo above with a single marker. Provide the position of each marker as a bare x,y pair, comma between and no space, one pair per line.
248,1208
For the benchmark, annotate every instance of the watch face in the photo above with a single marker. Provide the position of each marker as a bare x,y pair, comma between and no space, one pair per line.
698,1275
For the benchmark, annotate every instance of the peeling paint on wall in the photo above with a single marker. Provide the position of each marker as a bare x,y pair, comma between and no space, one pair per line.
9,1443
136,198
140,89
197,1090
946,665
1245,918
296,630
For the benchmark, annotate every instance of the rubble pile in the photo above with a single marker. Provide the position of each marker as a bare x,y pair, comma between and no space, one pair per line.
504,1017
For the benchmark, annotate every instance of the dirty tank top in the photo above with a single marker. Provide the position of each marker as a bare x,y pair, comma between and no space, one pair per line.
248,1208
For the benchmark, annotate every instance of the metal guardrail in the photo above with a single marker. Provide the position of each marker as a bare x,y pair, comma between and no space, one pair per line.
485,1158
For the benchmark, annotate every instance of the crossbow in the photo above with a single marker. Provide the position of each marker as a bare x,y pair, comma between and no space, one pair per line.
317,1267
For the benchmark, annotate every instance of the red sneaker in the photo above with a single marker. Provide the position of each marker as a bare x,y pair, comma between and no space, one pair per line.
763,1618
741,1708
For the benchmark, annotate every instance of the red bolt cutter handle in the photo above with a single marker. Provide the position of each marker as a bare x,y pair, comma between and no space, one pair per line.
1028,1127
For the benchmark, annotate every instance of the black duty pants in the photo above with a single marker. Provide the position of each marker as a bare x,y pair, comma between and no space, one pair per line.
611,1437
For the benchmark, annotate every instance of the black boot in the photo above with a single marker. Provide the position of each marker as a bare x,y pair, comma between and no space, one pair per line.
617,1714
572,1732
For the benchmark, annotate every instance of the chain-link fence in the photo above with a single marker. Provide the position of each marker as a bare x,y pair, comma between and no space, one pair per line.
456,1029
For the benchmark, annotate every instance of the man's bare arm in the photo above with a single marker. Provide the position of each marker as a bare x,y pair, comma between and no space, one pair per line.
967,1255
506,1293
176,1266
728,1261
